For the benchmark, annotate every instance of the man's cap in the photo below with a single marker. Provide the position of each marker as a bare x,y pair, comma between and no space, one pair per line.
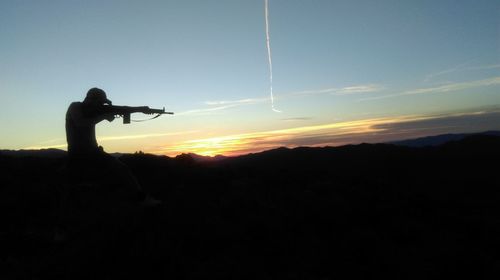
97,94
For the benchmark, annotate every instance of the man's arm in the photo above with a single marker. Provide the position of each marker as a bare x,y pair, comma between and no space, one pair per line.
75,112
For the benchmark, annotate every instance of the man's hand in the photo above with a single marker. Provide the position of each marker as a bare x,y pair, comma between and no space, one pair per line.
110,117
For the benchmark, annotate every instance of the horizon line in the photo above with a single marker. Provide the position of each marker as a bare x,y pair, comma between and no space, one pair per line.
259,151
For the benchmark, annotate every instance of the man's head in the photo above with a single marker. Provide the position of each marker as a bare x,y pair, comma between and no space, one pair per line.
96,96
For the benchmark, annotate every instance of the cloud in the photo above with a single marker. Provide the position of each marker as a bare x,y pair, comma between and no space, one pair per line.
141,136
460,68
247,101
42,145
313,92
297,119
440,89
484,67
444,72
332,134
358,89
355,89
223,105
473,121
204,111
55,140
227,104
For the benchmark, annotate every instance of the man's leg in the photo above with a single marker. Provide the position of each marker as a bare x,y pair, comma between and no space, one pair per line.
127,178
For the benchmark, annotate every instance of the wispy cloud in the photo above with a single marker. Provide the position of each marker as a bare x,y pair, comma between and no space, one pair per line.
460,68
440,89
247,101
204,111
222,105
354,89
142,136
42,145
358,89
446,71
484,67
312,92
51,141
297,119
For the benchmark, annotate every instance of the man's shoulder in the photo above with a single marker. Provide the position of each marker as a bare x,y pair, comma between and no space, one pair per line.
75,106
76,103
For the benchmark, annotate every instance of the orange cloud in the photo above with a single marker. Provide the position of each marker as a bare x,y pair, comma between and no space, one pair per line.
258,141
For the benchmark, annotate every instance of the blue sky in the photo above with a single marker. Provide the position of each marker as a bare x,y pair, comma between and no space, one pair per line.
333,62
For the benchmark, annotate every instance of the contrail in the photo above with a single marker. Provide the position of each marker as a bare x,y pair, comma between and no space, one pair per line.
266,9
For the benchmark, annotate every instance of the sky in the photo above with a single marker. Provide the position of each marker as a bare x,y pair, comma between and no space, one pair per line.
343,71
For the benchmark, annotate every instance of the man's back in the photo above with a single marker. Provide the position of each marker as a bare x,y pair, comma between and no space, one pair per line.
80,130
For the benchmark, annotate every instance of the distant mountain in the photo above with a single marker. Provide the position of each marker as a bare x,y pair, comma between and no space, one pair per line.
43,153
200,158
282,152
437,140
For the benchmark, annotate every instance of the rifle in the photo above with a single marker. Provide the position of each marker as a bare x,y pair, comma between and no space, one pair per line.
126,111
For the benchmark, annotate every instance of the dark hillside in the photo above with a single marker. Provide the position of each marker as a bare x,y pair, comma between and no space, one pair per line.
440,139
357,211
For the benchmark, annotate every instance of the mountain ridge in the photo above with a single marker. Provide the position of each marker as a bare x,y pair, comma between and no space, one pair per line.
313,213
420,142
436,140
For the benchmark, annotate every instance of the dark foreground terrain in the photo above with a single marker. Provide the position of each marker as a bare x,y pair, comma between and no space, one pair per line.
352,212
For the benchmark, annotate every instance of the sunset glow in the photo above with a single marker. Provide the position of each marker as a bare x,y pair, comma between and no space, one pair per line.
340,72
339,133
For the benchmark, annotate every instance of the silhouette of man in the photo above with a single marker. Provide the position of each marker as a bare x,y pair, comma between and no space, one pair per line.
85,156
81,119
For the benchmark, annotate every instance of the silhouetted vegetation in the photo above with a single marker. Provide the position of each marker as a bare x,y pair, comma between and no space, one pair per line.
356,211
